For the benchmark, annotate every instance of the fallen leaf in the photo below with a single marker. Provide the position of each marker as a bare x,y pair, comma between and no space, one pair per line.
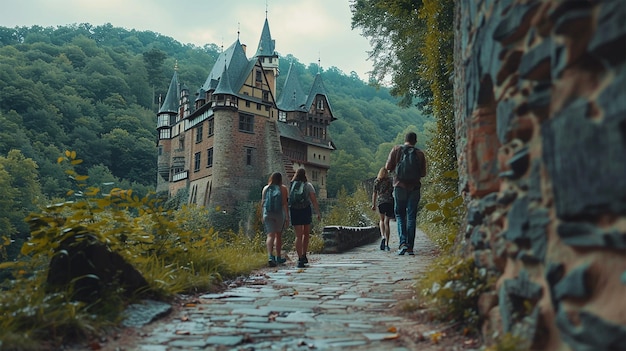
436,337
392,330
183,332
184,318
190,305
391,337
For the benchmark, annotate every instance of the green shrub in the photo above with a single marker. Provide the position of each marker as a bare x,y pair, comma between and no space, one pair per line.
452,286
351,211
175,250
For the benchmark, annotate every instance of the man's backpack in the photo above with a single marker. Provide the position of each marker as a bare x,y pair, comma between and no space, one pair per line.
298,198
409,167
273,199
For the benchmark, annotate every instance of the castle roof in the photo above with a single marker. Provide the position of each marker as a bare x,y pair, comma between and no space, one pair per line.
171,102
235,61
317,88
267,45
293,132
292,97
224,84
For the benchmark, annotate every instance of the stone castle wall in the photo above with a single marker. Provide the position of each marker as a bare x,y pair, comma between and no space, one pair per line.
540,90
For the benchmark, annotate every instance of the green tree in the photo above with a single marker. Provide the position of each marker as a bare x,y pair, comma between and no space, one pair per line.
153,60
21,195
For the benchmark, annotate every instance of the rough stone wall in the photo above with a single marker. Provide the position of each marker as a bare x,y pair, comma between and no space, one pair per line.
541,124
339,239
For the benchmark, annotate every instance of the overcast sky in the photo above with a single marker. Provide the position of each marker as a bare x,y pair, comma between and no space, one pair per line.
307,29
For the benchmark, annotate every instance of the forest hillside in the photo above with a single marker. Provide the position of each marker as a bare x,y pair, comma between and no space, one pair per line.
95,90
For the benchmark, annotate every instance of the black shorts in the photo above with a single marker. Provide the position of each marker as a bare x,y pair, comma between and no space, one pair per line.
301,216
386,209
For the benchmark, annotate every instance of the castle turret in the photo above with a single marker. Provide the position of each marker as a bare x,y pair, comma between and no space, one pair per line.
227,154
266,53
166,118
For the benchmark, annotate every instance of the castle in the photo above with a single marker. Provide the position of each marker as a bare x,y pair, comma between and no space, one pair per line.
223,144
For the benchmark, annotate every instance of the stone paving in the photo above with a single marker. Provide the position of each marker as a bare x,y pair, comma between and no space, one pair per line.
341,301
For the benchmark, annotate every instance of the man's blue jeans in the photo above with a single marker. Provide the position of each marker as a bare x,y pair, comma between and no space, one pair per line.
405,207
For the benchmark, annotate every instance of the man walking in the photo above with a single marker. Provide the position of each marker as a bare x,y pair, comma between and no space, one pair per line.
409,165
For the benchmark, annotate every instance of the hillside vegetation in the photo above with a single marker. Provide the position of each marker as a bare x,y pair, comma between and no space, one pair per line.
95,90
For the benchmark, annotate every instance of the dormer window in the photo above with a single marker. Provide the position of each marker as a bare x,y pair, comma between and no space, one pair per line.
320,104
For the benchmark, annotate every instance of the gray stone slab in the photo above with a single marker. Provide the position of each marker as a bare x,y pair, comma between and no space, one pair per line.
224,340
270,325
380,336
188,343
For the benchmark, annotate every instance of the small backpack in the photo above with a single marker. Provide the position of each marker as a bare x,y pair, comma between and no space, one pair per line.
297,196
408,169
273,199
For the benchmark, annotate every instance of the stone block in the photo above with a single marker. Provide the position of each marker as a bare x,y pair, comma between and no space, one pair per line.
585,234
584,331
475,213
515,22
478,239
536,62
574,284
609,42
505,114
519,162
482,158
539,100
586,161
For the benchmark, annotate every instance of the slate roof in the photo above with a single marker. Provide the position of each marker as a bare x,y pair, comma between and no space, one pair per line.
171,102
292,132
224,84
292,97
267,45
236,63
317,88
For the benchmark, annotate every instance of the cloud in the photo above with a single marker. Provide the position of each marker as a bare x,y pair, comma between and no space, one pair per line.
309,30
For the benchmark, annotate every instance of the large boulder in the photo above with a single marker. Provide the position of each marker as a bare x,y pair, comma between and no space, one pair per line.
91,270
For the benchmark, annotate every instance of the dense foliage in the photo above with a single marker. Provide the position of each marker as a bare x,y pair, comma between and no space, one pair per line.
96,89
412,44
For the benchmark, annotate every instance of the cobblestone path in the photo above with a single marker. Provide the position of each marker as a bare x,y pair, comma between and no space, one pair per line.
341,301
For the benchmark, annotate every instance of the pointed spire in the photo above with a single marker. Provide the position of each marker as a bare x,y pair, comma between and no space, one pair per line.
171,102
267,45
319,63
224,86
292,97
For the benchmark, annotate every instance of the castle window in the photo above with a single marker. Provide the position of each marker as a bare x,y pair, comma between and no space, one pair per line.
211,126
247,103
209,157
259,76
196,162
246,123
266,96
282,116
199,134
320,104
249,156
258,106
